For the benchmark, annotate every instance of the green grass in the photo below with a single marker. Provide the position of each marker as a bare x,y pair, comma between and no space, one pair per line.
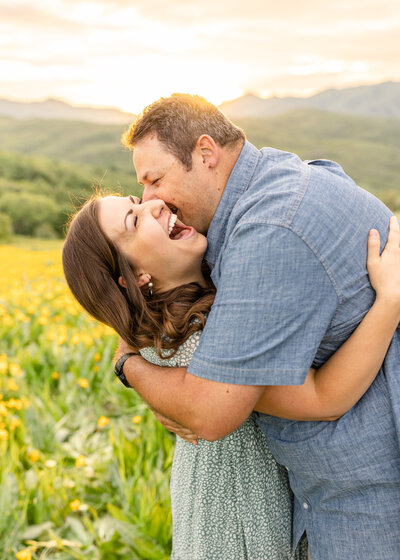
123,487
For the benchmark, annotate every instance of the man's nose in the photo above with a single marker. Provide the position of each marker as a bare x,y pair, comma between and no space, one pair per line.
149,194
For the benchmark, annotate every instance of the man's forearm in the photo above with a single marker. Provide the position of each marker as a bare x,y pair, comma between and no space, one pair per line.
208,408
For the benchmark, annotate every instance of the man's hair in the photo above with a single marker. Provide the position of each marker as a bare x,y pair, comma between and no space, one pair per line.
178,121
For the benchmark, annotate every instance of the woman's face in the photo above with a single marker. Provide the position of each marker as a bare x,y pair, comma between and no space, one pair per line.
153,240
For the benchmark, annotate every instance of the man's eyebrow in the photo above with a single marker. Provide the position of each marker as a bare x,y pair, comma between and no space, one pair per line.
145,177
155,173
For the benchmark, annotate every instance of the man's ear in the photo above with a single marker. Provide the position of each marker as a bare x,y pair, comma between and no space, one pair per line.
208,150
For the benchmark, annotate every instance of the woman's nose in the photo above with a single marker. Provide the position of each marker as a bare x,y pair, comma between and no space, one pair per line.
154,206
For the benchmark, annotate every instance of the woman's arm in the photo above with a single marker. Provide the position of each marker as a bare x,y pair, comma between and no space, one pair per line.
333,389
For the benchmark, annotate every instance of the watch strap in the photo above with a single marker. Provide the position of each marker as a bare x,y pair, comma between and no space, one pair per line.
119,365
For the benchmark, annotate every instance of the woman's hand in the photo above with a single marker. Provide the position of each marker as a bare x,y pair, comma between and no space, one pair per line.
176,428
384,268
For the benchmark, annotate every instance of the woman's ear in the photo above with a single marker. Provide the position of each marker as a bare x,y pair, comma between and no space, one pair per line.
122,282
143,279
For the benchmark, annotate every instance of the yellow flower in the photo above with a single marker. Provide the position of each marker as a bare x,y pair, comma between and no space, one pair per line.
61,339
86,339
11,385
102,421
97,357
3,363
15,422
15,369
136,419
3,409
25,402
96,368
34,455
14,403
43,320
75,339
3,435
55,375
74,505
83,382
80,461
8,321
24,555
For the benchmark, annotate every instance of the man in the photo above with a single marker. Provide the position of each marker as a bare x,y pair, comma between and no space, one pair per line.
287,247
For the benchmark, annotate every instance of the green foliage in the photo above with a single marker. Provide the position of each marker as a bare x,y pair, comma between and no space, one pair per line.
39,194
28,211
70,141
86,154
6,229
366,147
121,489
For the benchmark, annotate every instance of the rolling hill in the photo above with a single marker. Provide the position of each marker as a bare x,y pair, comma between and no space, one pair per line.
47,166
379,100
56,109
366,147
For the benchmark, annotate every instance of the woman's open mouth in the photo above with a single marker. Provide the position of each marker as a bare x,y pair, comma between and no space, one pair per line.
177,230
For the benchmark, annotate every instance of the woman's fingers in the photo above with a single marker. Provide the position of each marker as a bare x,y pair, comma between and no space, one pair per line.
394,233
176,428
374,244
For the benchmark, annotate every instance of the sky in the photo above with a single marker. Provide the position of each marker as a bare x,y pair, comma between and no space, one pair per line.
128,53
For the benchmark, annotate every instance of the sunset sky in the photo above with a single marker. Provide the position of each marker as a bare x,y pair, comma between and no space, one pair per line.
127,53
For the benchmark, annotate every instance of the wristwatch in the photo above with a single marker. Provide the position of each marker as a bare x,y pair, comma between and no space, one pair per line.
119,365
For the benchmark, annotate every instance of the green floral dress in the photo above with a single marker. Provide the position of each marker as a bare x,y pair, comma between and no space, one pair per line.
230,499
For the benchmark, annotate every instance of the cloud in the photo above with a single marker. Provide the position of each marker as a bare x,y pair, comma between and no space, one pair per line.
29,15
131,49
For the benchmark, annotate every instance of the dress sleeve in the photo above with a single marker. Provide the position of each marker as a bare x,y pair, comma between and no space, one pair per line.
275,300
182,357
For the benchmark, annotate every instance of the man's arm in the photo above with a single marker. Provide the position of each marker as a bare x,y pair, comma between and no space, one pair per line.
209,409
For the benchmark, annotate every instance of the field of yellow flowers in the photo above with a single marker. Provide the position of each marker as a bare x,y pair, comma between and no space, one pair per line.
84,466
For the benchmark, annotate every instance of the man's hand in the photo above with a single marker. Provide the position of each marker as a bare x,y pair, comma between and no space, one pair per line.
176,428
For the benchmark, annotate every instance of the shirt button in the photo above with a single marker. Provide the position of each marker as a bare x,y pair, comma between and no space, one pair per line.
305,505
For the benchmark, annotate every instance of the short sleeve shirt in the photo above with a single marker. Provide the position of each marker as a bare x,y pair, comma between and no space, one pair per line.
287,247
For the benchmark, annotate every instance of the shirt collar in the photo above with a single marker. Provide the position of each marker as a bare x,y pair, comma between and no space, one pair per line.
237,184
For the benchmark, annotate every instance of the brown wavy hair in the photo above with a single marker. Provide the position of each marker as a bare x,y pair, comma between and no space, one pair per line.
92,266
178,121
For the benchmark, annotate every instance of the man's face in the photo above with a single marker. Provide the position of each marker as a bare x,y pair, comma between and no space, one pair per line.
165,177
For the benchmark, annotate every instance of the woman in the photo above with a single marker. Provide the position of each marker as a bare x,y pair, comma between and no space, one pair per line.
137,268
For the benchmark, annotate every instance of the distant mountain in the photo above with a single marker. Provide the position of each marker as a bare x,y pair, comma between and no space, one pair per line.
59,110
379,100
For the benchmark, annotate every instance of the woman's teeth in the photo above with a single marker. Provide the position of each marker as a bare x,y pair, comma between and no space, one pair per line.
171,224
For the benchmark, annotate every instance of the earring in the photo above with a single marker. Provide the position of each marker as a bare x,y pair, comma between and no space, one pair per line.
150,285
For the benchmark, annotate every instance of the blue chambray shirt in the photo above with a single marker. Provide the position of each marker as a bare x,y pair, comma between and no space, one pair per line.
288,247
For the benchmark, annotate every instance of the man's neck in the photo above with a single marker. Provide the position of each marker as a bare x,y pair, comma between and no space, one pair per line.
229,157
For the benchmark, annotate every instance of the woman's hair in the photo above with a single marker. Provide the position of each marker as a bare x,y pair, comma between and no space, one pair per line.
92,266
